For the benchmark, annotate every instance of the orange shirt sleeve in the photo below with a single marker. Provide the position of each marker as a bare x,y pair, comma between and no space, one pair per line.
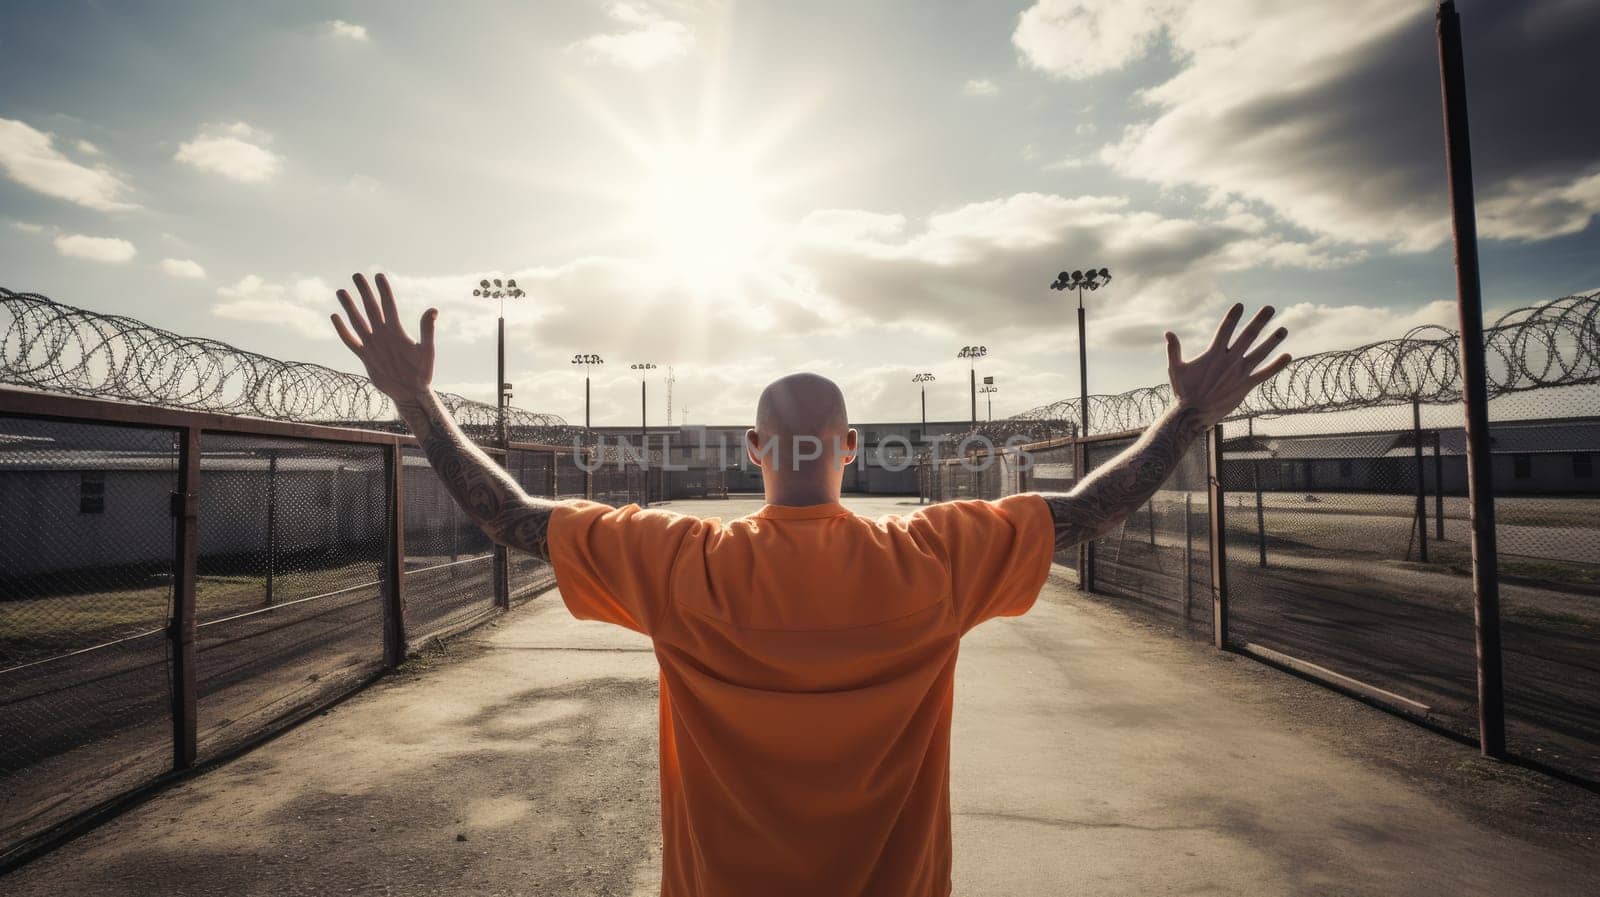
615,564
999,553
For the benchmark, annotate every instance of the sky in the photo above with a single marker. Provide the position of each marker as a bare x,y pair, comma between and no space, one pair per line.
741,190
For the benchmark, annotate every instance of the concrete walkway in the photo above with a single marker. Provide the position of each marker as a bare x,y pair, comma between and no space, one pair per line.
1094,754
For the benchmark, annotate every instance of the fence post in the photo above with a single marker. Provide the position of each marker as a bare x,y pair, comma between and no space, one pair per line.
1422,486
1474,385
1086,548
1219,539
394,558
181,628
1438,488
502,557
272,521
1188,553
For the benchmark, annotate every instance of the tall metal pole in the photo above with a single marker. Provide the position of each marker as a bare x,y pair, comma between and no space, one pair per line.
500,383
973,370
1083,373
924,412
644,441
586,400
1219,538
1474,388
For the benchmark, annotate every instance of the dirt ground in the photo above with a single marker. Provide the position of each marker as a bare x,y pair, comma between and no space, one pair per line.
1094,753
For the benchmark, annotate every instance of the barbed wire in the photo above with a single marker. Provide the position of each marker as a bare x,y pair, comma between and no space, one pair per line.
50,346
1553,344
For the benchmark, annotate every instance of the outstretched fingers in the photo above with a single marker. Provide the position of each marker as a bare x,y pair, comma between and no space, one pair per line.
1252,330
1225,329
369,300
358,323
391,314
349,338
1254,356
1270,371
428,317
1174,351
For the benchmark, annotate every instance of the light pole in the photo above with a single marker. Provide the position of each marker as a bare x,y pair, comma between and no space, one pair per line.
1078,281
644,368
923,380
989,389
587,360
972,354
500,292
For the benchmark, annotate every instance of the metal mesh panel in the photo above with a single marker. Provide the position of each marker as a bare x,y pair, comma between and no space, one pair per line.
449,575
1157,560
288,602
571,480
537,472
86,549
1329,563
1547,516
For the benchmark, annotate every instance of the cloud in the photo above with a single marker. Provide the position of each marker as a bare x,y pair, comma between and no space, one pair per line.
28,227
1329,114
234,151
980,87
1077,39
184,268
348,30
99,249
302,307
30,158
992,262
649,39
87,148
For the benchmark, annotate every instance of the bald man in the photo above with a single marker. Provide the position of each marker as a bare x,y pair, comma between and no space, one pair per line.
807,653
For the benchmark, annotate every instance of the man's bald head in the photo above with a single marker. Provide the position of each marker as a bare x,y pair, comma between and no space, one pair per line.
802,405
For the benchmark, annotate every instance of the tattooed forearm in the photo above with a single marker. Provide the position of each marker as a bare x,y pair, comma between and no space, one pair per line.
1112,492
483,489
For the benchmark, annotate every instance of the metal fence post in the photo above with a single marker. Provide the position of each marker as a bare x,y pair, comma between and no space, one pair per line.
1188,553
1438,488
1085,549
502,557
181,628
1422,486
1219,538
394,559
1474,384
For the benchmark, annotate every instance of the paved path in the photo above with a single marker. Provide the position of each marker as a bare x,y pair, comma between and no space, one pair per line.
1094,754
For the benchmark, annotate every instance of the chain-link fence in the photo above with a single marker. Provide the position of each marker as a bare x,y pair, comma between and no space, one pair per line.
86,566
289,593
1346,530
291,534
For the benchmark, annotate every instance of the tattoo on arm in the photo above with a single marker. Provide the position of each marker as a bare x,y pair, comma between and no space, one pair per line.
1112,492
483,489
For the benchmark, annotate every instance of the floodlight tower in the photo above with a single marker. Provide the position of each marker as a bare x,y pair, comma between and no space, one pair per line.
972,354
500,292
587,360
1078,281
923,380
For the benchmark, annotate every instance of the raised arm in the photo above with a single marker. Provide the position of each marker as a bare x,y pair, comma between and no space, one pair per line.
403,369
1206,389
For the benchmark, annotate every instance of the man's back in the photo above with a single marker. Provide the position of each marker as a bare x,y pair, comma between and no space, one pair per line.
807,670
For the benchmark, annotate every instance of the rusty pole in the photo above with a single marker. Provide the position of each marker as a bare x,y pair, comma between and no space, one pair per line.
1474,384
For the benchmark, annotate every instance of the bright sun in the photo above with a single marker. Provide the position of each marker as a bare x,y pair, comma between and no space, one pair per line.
701,209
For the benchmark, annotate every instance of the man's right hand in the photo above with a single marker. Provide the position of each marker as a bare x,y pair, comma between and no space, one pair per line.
402,368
